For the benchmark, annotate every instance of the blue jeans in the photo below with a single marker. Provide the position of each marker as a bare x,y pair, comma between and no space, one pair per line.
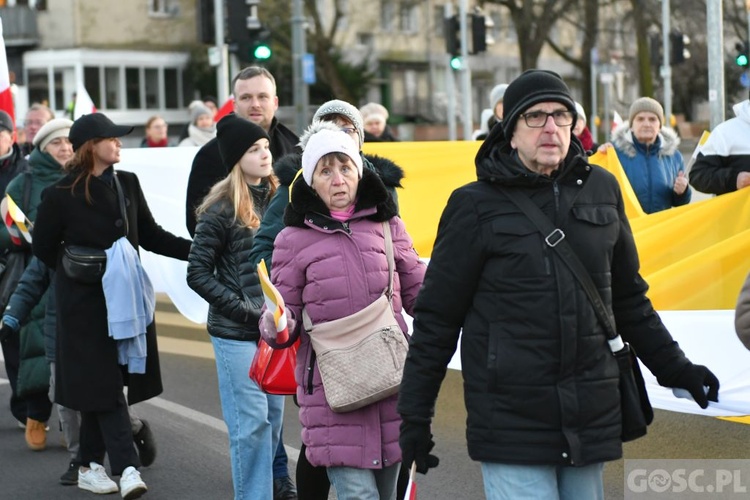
364,484
530,482
253,420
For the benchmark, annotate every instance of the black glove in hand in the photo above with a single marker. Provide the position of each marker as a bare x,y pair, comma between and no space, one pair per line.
416,443
5,331
694,379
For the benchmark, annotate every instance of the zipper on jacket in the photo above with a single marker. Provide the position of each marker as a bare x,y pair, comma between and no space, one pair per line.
310,371
556,191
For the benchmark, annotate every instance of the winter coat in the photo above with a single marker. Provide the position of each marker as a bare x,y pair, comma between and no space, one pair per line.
334,269
220,271
33,373
208,169
540,382
652,169
386,136
31,305
88,377
286,169
725,154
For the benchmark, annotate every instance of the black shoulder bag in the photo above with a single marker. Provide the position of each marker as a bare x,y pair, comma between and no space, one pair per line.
636,409
87,264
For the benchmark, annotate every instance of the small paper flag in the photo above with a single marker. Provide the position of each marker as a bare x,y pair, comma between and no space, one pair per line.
274,302
411,486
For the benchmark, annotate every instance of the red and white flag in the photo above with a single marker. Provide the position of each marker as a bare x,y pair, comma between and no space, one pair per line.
411,486
6,96
84,104
225,109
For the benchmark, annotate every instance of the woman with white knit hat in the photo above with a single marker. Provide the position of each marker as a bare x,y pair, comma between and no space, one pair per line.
330,260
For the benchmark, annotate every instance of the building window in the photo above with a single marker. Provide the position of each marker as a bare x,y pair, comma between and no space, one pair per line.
92,82
408,17
112,88
151,77
132,88
161,8
38,85
366,40
172,93
387,15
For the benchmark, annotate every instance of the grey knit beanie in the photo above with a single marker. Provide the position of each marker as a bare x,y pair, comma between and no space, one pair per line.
496,94
646,104
343,108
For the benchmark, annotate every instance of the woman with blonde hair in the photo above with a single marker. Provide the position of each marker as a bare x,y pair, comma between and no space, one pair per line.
220,271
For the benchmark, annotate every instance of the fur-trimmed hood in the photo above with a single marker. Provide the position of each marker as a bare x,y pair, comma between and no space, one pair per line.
391,174
371,194
623,139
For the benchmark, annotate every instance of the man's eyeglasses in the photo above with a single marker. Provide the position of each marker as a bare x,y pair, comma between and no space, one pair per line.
538,119
349,130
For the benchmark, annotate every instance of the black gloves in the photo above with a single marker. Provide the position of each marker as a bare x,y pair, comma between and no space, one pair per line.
693,378
5,331
416,443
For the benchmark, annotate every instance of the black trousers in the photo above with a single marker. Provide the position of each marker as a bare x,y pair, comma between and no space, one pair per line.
110,431
313,483
36,406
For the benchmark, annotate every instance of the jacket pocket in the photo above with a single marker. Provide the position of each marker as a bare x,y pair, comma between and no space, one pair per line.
598,215
519,247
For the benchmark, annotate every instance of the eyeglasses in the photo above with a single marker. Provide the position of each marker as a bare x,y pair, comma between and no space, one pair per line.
349,130
538,119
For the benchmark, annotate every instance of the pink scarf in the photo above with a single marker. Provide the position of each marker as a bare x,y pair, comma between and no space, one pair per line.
343,215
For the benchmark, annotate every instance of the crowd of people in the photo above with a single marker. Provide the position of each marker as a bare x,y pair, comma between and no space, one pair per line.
542,392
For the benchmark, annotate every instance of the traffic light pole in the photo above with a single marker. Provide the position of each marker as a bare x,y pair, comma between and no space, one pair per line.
299,47
450,86
666,69
714,38
222,70
465,71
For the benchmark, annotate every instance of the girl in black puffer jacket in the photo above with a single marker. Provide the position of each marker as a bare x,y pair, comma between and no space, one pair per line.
219,270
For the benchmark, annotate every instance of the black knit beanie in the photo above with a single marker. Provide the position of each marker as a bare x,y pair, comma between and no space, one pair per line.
235,136
532,87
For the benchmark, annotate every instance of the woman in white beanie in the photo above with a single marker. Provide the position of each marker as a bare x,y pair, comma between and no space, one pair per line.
331,261
52,150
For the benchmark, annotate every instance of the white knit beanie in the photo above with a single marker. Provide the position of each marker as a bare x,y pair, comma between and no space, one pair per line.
58,127
343,108
325,141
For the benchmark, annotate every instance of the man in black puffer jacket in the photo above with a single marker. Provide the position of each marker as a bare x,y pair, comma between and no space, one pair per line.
254,94
540,380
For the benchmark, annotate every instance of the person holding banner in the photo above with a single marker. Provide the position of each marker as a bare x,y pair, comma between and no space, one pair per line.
331,260
220,271
540,378
647,150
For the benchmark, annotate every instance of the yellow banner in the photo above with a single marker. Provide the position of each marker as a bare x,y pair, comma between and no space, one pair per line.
694,257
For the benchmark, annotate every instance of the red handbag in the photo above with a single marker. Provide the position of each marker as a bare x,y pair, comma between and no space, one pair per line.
273,369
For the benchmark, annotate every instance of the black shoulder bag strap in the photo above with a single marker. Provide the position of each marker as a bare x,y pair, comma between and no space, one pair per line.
121,199
555,238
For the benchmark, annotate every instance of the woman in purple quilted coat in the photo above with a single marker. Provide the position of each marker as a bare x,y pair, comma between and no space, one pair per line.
330,259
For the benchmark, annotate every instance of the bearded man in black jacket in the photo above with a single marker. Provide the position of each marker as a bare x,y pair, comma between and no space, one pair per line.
540,378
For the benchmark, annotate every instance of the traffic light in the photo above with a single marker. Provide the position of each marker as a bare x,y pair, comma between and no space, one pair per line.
206,26
478,34
742,57
261,45
678,42
452,32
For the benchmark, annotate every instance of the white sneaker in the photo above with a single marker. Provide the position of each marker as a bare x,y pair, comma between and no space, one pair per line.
131,484
96,480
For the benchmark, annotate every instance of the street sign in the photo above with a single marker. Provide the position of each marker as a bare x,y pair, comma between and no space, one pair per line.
606,77
308,68
745,79
214,56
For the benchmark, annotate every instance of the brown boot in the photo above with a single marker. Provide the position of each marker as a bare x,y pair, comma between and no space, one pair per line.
36,434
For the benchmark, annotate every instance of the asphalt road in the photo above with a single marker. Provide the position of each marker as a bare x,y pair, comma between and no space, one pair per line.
193,461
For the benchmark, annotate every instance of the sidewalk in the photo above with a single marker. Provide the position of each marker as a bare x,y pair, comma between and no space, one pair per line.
170,323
